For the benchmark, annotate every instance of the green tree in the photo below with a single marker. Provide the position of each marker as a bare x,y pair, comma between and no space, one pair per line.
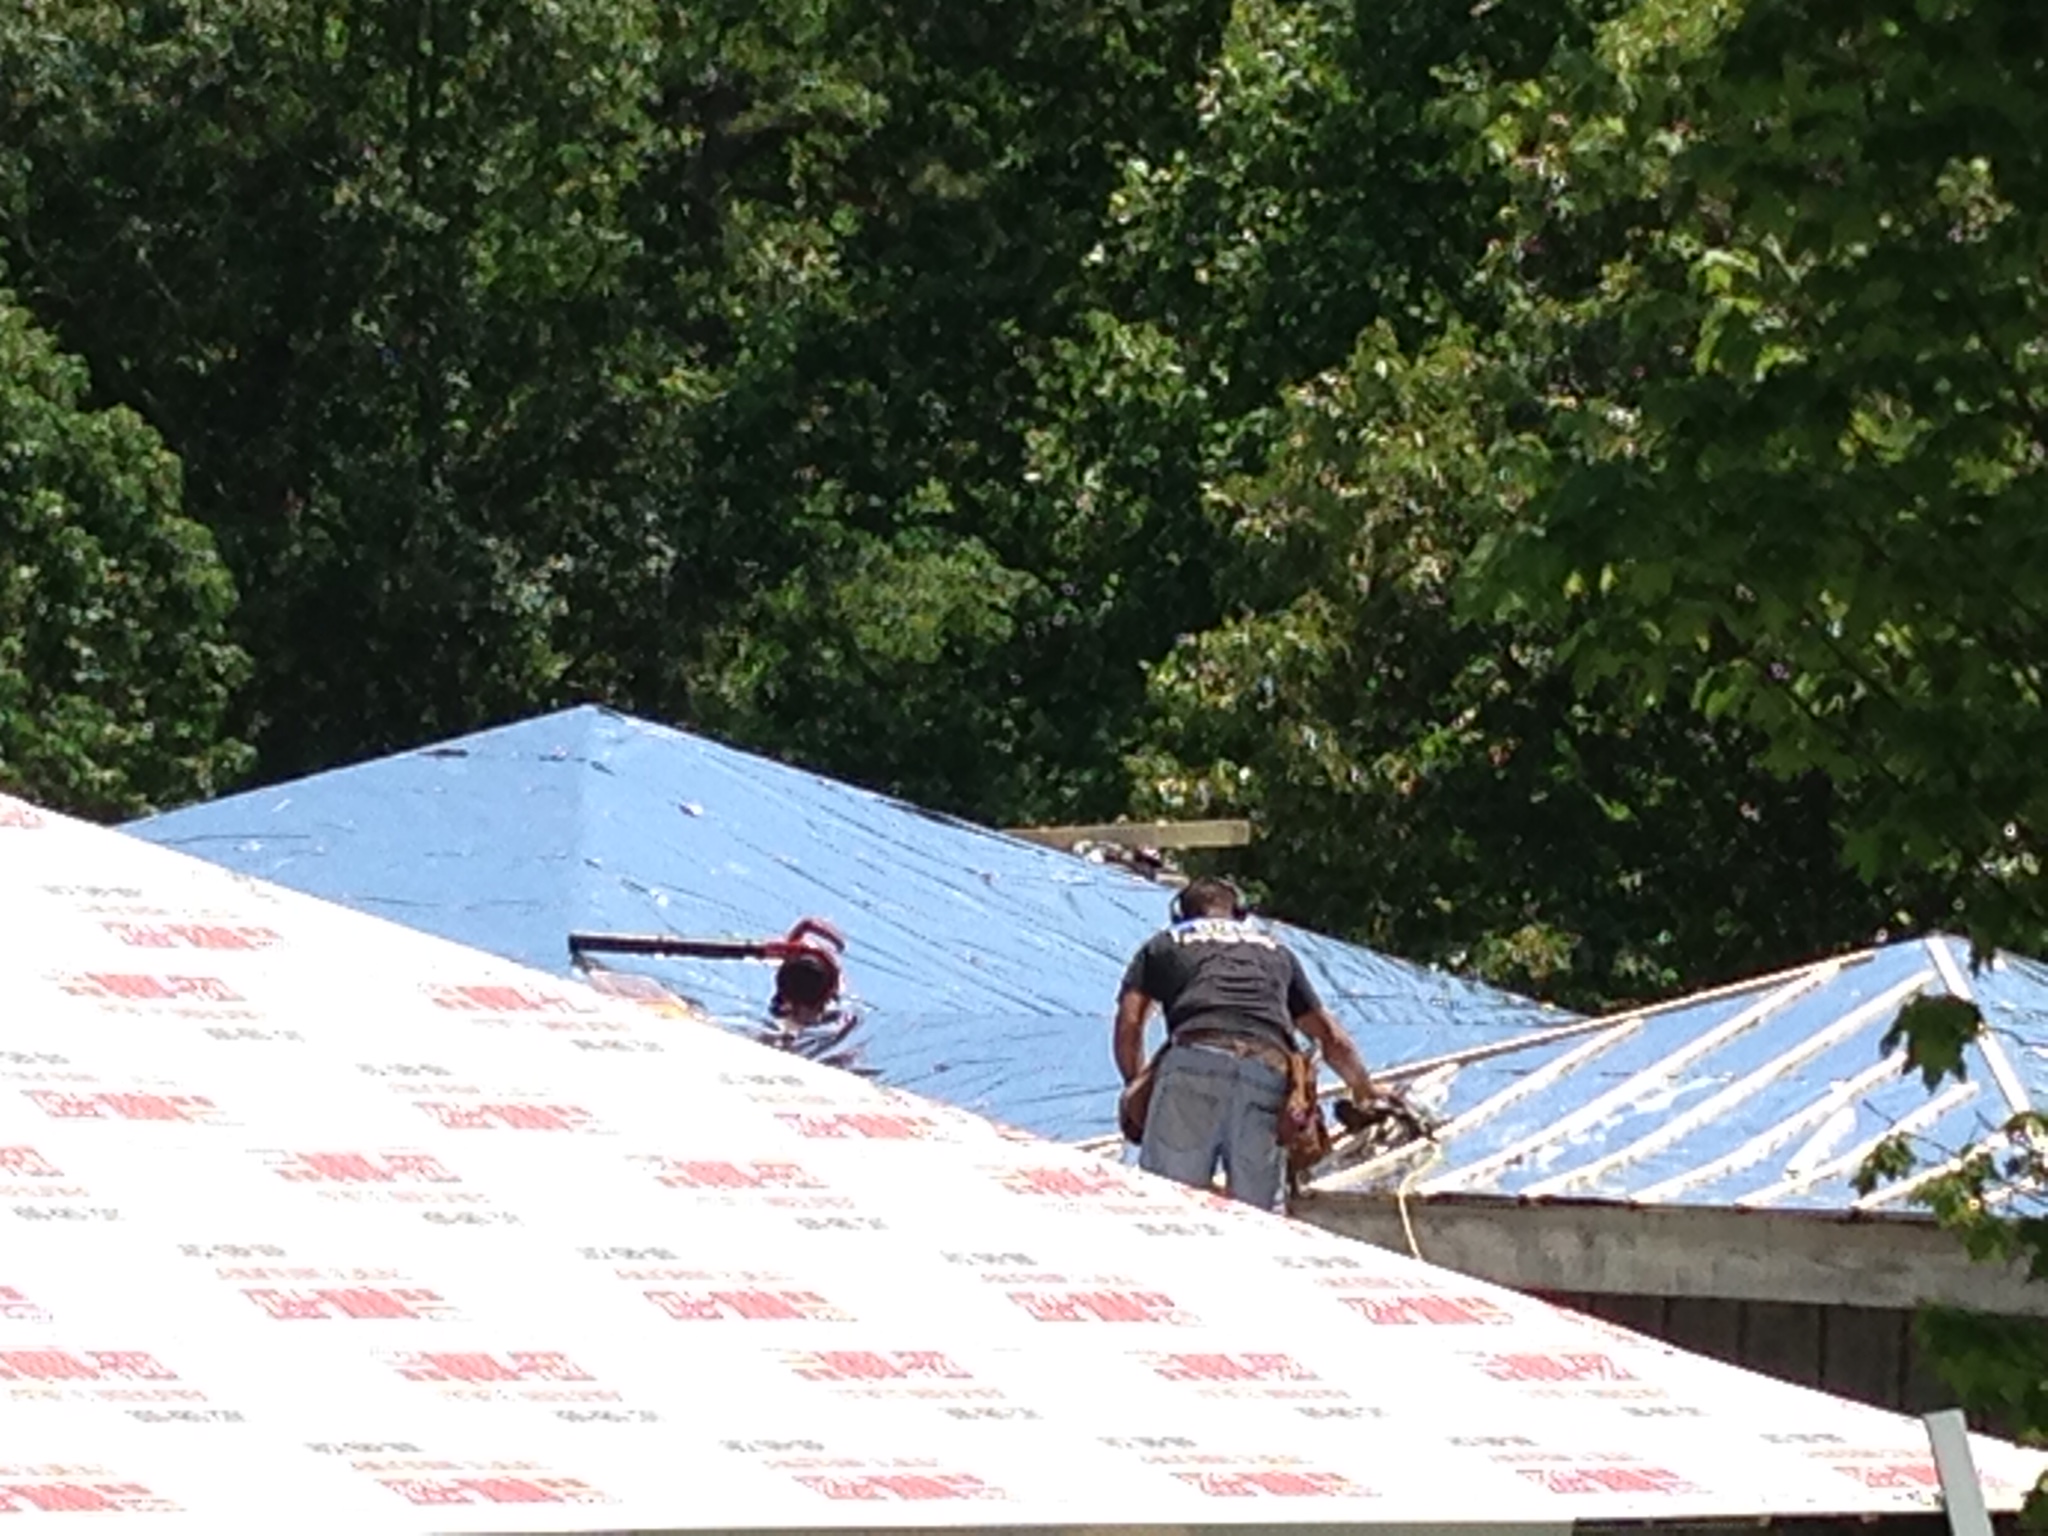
1429,786
1443,788
1773,272
115,668
431,303
684,358
961,627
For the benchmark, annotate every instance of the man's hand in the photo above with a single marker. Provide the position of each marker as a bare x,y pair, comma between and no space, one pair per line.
1383,1111
1351,1115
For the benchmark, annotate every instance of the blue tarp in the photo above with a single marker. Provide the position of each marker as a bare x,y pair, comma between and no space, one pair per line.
985,967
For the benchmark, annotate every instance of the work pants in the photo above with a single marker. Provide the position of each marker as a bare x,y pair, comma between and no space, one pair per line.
1211,1108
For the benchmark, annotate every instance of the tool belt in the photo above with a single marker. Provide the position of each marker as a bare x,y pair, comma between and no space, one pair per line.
1302,1130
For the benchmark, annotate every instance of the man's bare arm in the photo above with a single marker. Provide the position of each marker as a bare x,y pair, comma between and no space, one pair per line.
1131,1008
1338,1049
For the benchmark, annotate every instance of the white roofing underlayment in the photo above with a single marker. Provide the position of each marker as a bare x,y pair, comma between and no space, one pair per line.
311,1222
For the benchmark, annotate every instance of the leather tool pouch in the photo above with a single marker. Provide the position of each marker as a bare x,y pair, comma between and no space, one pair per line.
1303,1130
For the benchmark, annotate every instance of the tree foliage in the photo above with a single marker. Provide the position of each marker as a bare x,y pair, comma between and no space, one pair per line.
529,351
1989,1197
1777,269
115,668
1327,266
437,302
1448,789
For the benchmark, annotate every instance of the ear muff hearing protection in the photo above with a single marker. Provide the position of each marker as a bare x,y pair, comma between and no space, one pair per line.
1179,912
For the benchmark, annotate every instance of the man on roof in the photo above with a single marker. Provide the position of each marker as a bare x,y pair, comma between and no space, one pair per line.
1233,996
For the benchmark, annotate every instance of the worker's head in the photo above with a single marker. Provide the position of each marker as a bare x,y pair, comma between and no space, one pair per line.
805,986
1208,897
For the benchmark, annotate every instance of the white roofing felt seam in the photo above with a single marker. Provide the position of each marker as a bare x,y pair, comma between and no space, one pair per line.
308,1221
1710,1109
1408,1071
1624,1094
1952,975
1760,1146
2010,1088
1528,1084
1953,1097
2009,1085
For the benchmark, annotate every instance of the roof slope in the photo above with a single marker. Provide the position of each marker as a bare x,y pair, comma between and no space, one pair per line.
986,966
315,1221
1767,1094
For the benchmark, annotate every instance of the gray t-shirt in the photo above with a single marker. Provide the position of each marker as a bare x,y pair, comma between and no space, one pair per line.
1222,974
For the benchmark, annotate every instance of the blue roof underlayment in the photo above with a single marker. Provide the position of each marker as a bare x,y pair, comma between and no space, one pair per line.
1766,1096
985,967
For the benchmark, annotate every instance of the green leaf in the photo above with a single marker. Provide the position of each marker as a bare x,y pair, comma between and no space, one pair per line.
1936,1032
1890,1160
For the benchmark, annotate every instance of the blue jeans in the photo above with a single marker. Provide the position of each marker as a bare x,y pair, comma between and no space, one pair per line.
1210,1107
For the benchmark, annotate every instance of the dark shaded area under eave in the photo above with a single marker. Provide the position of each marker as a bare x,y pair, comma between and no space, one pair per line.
985,967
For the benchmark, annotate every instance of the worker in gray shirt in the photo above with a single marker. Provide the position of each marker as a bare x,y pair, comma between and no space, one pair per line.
1233,996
